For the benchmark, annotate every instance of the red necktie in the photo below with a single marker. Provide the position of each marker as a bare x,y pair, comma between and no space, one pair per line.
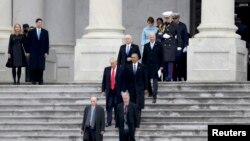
113,79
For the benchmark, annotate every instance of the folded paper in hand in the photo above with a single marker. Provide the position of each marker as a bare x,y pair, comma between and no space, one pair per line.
159,73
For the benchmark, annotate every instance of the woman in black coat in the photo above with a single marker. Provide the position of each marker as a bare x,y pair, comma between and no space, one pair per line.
17,53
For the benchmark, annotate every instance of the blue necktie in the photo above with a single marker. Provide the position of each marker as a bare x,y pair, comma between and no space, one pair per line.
127,50
134,68
38,34
91,118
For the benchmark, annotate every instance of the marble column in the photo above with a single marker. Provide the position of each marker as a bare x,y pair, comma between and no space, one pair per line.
5,31
6,18
60,21
216,53
102,41
27,11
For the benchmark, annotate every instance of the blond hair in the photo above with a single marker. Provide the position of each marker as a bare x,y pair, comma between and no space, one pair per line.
20,32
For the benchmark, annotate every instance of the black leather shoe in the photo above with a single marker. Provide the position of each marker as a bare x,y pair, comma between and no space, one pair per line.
108,124
40,83
154,101
33,83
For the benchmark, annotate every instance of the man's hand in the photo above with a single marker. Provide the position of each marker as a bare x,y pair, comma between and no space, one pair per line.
145,92
129,59
137,129
179,48
45,55
9,56
161,68
103,94
102,132
81,131
185,50
249,55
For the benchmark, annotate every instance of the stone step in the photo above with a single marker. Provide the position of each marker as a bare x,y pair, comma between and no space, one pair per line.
162,86
86,101
180,106
151,118
182,112
73,125
145,112
75,132
106,138
79,93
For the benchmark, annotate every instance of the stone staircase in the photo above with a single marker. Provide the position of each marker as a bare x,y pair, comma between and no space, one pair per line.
182,112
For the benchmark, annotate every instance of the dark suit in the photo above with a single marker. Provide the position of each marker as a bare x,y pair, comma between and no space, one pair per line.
152,60
122,56
99,123
180,65
132,121
113,97
136,84
37,49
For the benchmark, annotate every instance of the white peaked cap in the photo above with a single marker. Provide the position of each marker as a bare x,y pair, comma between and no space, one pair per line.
167,13
176,14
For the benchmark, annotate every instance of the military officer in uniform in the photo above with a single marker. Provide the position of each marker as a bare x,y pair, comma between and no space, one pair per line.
171,41
181,56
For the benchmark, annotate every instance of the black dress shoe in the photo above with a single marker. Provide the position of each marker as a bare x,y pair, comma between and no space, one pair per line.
40,83
108,124
33,82
154,101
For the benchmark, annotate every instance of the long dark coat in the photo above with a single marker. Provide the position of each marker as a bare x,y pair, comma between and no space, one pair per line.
132,117
136,84
37,48
16,50
170,45
99,121
152,59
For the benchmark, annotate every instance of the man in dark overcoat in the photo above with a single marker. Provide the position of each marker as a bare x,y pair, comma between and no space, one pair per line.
37,51
93,124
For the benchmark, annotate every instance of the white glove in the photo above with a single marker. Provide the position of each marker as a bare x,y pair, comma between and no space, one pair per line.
166,36
160,33
185,50
179,48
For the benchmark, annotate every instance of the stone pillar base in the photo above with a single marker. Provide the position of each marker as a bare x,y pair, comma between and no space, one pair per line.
5,32
65,65
92,56
217,59
6,75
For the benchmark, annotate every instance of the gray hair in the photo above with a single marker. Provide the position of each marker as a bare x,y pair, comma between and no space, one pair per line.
125,93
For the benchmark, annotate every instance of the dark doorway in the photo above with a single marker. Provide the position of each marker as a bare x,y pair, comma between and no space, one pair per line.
242,9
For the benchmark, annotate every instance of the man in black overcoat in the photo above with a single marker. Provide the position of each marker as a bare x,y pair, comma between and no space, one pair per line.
93,124
181,55
153,61
127,119
136,83
37,51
